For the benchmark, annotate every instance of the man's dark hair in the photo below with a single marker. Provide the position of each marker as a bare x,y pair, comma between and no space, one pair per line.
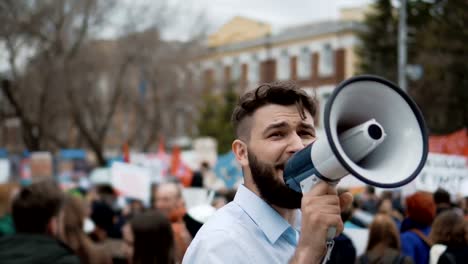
35,205
281,93
441,196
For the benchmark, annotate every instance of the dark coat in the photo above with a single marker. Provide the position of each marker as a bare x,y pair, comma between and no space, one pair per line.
35,249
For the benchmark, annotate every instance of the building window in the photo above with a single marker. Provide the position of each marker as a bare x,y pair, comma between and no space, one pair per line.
284,66
304,68
254,70
219,73
326,65
236,70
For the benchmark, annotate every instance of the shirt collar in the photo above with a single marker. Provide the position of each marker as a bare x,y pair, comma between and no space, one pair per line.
265,217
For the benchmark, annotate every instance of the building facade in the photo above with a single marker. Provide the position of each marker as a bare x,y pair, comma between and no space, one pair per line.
317,56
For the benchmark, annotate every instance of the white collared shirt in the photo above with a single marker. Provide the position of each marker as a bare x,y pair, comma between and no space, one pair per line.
247,230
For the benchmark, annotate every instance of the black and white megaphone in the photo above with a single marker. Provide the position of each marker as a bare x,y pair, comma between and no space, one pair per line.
374,131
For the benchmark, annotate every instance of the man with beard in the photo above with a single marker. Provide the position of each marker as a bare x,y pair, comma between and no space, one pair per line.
267,222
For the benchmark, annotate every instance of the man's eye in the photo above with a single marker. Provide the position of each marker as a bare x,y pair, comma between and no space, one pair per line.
276,135
306,134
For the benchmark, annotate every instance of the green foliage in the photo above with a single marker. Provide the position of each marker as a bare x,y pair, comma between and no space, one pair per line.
378,49
443,91
215,117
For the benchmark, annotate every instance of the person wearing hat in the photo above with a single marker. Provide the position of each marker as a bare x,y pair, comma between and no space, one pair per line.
415,229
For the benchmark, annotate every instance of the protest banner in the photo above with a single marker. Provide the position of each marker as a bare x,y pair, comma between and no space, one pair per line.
206,150
449,172
41,165
131,181
4,170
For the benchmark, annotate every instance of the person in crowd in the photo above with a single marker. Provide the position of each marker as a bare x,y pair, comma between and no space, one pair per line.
149,239
7,191
71,233
385,206
104,219
169,200
210,180
261,225
449,229
358,218
415,228
442,200
35,212
383,246
370,200
344,251
134,206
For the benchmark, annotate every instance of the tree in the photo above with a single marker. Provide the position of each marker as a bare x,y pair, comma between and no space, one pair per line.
378,50
215,117
51,33
75,90
442,93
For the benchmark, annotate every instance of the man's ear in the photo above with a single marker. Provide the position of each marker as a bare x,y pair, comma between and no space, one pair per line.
240,150
53,226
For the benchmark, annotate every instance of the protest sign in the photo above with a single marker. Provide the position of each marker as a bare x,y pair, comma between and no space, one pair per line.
41,164
4,170
131,181
443,171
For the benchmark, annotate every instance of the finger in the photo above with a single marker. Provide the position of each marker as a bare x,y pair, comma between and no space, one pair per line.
314,201
322,188
346,199
330,209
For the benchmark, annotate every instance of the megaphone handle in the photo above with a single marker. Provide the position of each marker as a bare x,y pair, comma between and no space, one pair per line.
306,185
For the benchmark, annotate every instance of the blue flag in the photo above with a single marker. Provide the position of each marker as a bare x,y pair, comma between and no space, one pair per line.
228,169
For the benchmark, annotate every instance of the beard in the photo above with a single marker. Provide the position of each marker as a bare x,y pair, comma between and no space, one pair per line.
273,190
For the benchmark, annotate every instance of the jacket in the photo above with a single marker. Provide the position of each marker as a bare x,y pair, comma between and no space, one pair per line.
35,249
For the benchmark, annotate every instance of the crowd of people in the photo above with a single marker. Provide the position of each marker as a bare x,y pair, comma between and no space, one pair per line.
421,228
41,223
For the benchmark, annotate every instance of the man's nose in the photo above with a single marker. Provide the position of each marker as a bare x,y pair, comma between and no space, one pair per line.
296,143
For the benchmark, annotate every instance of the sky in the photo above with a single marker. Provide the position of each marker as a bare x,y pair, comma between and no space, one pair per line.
278,13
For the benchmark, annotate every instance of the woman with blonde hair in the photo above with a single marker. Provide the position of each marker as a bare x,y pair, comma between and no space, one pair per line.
384,243
449,229
71,233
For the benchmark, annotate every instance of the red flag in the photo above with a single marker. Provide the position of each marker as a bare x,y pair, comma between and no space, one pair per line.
179,169
126,152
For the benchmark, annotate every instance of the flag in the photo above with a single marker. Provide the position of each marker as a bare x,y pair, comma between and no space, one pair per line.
179,169
126,152
228,169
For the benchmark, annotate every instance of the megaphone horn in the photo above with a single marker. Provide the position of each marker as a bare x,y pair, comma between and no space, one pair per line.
374,131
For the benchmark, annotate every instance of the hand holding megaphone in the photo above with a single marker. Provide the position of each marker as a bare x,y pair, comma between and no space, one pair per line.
374,131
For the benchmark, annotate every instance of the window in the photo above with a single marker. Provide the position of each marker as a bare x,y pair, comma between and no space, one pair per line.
254,70
326,65
304,68
219,73
236,70
284,66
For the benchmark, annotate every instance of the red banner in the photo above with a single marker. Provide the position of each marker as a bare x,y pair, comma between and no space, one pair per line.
453,144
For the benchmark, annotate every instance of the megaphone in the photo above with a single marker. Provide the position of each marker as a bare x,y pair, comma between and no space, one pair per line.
373,131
